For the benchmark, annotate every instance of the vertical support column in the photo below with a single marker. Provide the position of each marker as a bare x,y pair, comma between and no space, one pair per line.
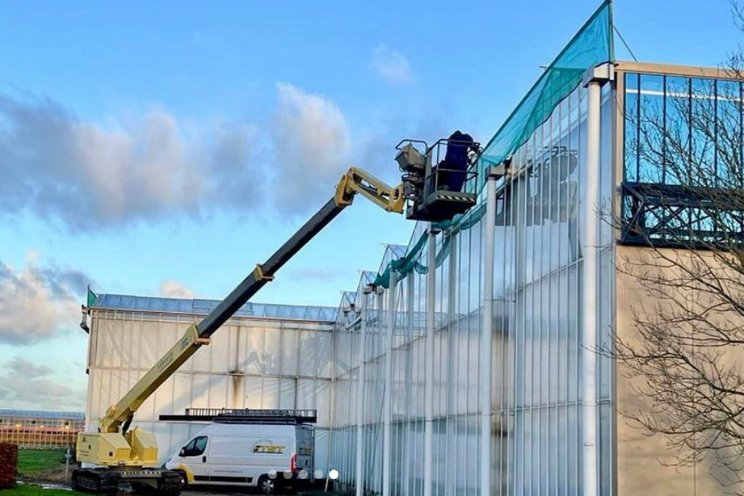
452,383
375,455
486,337
589,292
593,81
431,279
332,431
360,394
410,308
387,399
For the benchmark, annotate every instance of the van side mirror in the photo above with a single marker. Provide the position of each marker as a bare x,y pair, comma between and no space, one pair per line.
182,452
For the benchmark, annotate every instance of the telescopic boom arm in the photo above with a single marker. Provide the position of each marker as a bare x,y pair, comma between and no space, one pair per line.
354,181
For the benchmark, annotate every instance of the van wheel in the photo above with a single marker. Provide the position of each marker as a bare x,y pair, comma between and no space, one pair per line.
184,479
266,485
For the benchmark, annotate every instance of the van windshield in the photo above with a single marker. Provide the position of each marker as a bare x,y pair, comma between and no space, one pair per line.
196,446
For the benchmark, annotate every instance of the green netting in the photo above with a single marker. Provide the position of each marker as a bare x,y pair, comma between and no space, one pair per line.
591,46
410,262
91,297
403,265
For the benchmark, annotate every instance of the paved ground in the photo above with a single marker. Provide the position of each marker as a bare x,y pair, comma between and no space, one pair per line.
210,492
223,492
220,492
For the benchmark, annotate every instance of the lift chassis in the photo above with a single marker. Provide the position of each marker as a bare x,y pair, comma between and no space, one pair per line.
107,480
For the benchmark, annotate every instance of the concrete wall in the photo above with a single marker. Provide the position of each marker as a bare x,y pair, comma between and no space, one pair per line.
646,465
250,363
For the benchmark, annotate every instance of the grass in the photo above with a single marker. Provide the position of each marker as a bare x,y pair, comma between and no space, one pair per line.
32,462
32,490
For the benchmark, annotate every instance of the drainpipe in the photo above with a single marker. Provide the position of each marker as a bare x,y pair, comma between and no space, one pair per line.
431,278
486,346
360,393
387,400
593,81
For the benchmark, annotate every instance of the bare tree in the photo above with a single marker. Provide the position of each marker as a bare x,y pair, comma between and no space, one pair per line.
684,202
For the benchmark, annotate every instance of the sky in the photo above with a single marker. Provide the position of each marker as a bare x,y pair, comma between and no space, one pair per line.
165,148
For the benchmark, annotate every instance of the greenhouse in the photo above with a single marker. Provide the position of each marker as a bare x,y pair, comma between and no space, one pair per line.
39,429
265,357
487,399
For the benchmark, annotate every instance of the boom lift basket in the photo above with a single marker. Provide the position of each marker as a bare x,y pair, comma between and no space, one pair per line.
437,189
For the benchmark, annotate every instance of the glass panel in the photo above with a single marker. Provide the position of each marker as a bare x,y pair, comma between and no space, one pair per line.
631,114
677,128
703,126
651,129
690,136
728,135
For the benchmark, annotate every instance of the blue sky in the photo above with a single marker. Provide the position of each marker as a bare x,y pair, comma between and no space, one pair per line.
165,148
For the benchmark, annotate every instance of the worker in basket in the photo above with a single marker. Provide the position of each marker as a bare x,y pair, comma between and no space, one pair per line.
453,169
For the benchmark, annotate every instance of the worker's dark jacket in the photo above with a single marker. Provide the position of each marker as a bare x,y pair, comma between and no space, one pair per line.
455,161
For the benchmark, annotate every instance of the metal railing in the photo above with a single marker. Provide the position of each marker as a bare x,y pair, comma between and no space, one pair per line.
237,415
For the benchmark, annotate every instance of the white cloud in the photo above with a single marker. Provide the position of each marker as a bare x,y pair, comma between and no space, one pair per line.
312,145
391,66
174,289
24,368
25,385
155,166
88,175
35,302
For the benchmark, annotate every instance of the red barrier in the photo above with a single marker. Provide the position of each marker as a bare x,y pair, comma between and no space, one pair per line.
8,464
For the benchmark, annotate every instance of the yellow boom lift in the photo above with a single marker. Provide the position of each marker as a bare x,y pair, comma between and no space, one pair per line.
123,455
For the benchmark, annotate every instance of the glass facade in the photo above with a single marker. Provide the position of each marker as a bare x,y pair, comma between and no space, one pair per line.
536,336
671,150
457,322
538,298
682,153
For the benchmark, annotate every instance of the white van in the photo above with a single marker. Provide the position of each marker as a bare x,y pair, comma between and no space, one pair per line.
247,454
